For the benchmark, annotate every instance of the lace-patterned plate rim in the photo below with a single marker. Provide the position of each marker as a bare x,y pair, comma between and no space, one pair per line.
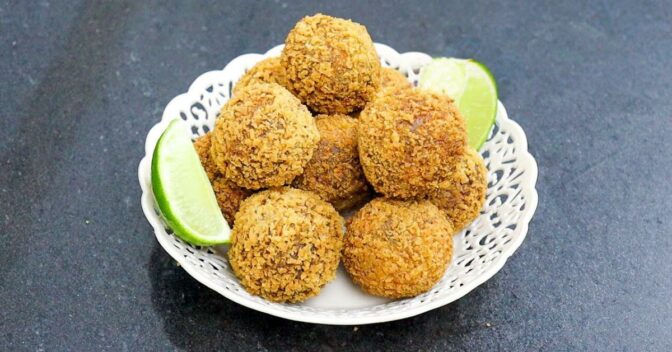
408,63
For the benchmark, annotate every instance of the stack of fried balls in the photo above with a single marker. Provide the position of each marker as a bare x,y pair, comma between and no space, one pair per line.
324,129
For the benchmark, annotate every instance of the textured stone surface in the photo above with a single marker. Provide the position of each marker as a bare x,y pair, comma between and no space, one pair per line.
82,83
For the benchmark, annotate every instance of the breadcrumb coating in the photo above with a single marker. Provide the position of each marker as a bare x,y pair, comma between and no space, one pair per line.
265,71
396,248
229,196
202,146
263,137
409,141
286,244
334,172
394,80
463,200
331,64
391,82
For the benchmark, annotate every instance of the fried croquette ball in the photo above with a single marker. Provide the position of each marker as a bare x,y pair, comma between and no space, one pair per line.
264,137
265,71
334,172
463,200
227,193
331,64
394,80
409,141
286,244
397,248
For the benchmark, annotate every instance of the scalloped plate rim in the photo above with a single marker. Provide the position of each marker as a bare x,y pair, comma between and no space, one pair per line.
520,231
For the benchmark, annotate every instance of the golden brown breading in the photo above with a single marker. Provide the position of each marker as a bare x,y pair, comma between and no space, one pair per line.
409,142
263,137
396,248
391,82
202,146
227,193
331,64
463,200
229,196
286,244
265,71
334,172
392,79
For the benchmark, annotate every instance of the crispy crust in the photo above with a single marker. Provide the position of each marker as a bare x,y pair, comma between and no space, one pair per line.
394,80
286,244
409,142
265,71
229,196
397,249
463,200
334,172
331,64
263,137
202,146
391,82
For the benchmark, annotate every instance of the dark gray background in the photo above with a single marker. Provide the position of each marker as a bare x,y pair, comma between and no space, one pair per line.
82,82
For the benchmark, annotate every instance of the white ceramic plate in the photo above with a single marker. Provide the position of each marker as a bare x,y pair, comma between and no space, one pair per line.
480,250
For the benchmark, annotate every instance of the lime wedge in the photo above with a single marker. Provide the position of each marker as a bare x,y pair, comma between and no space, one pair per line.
183,191
473,88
